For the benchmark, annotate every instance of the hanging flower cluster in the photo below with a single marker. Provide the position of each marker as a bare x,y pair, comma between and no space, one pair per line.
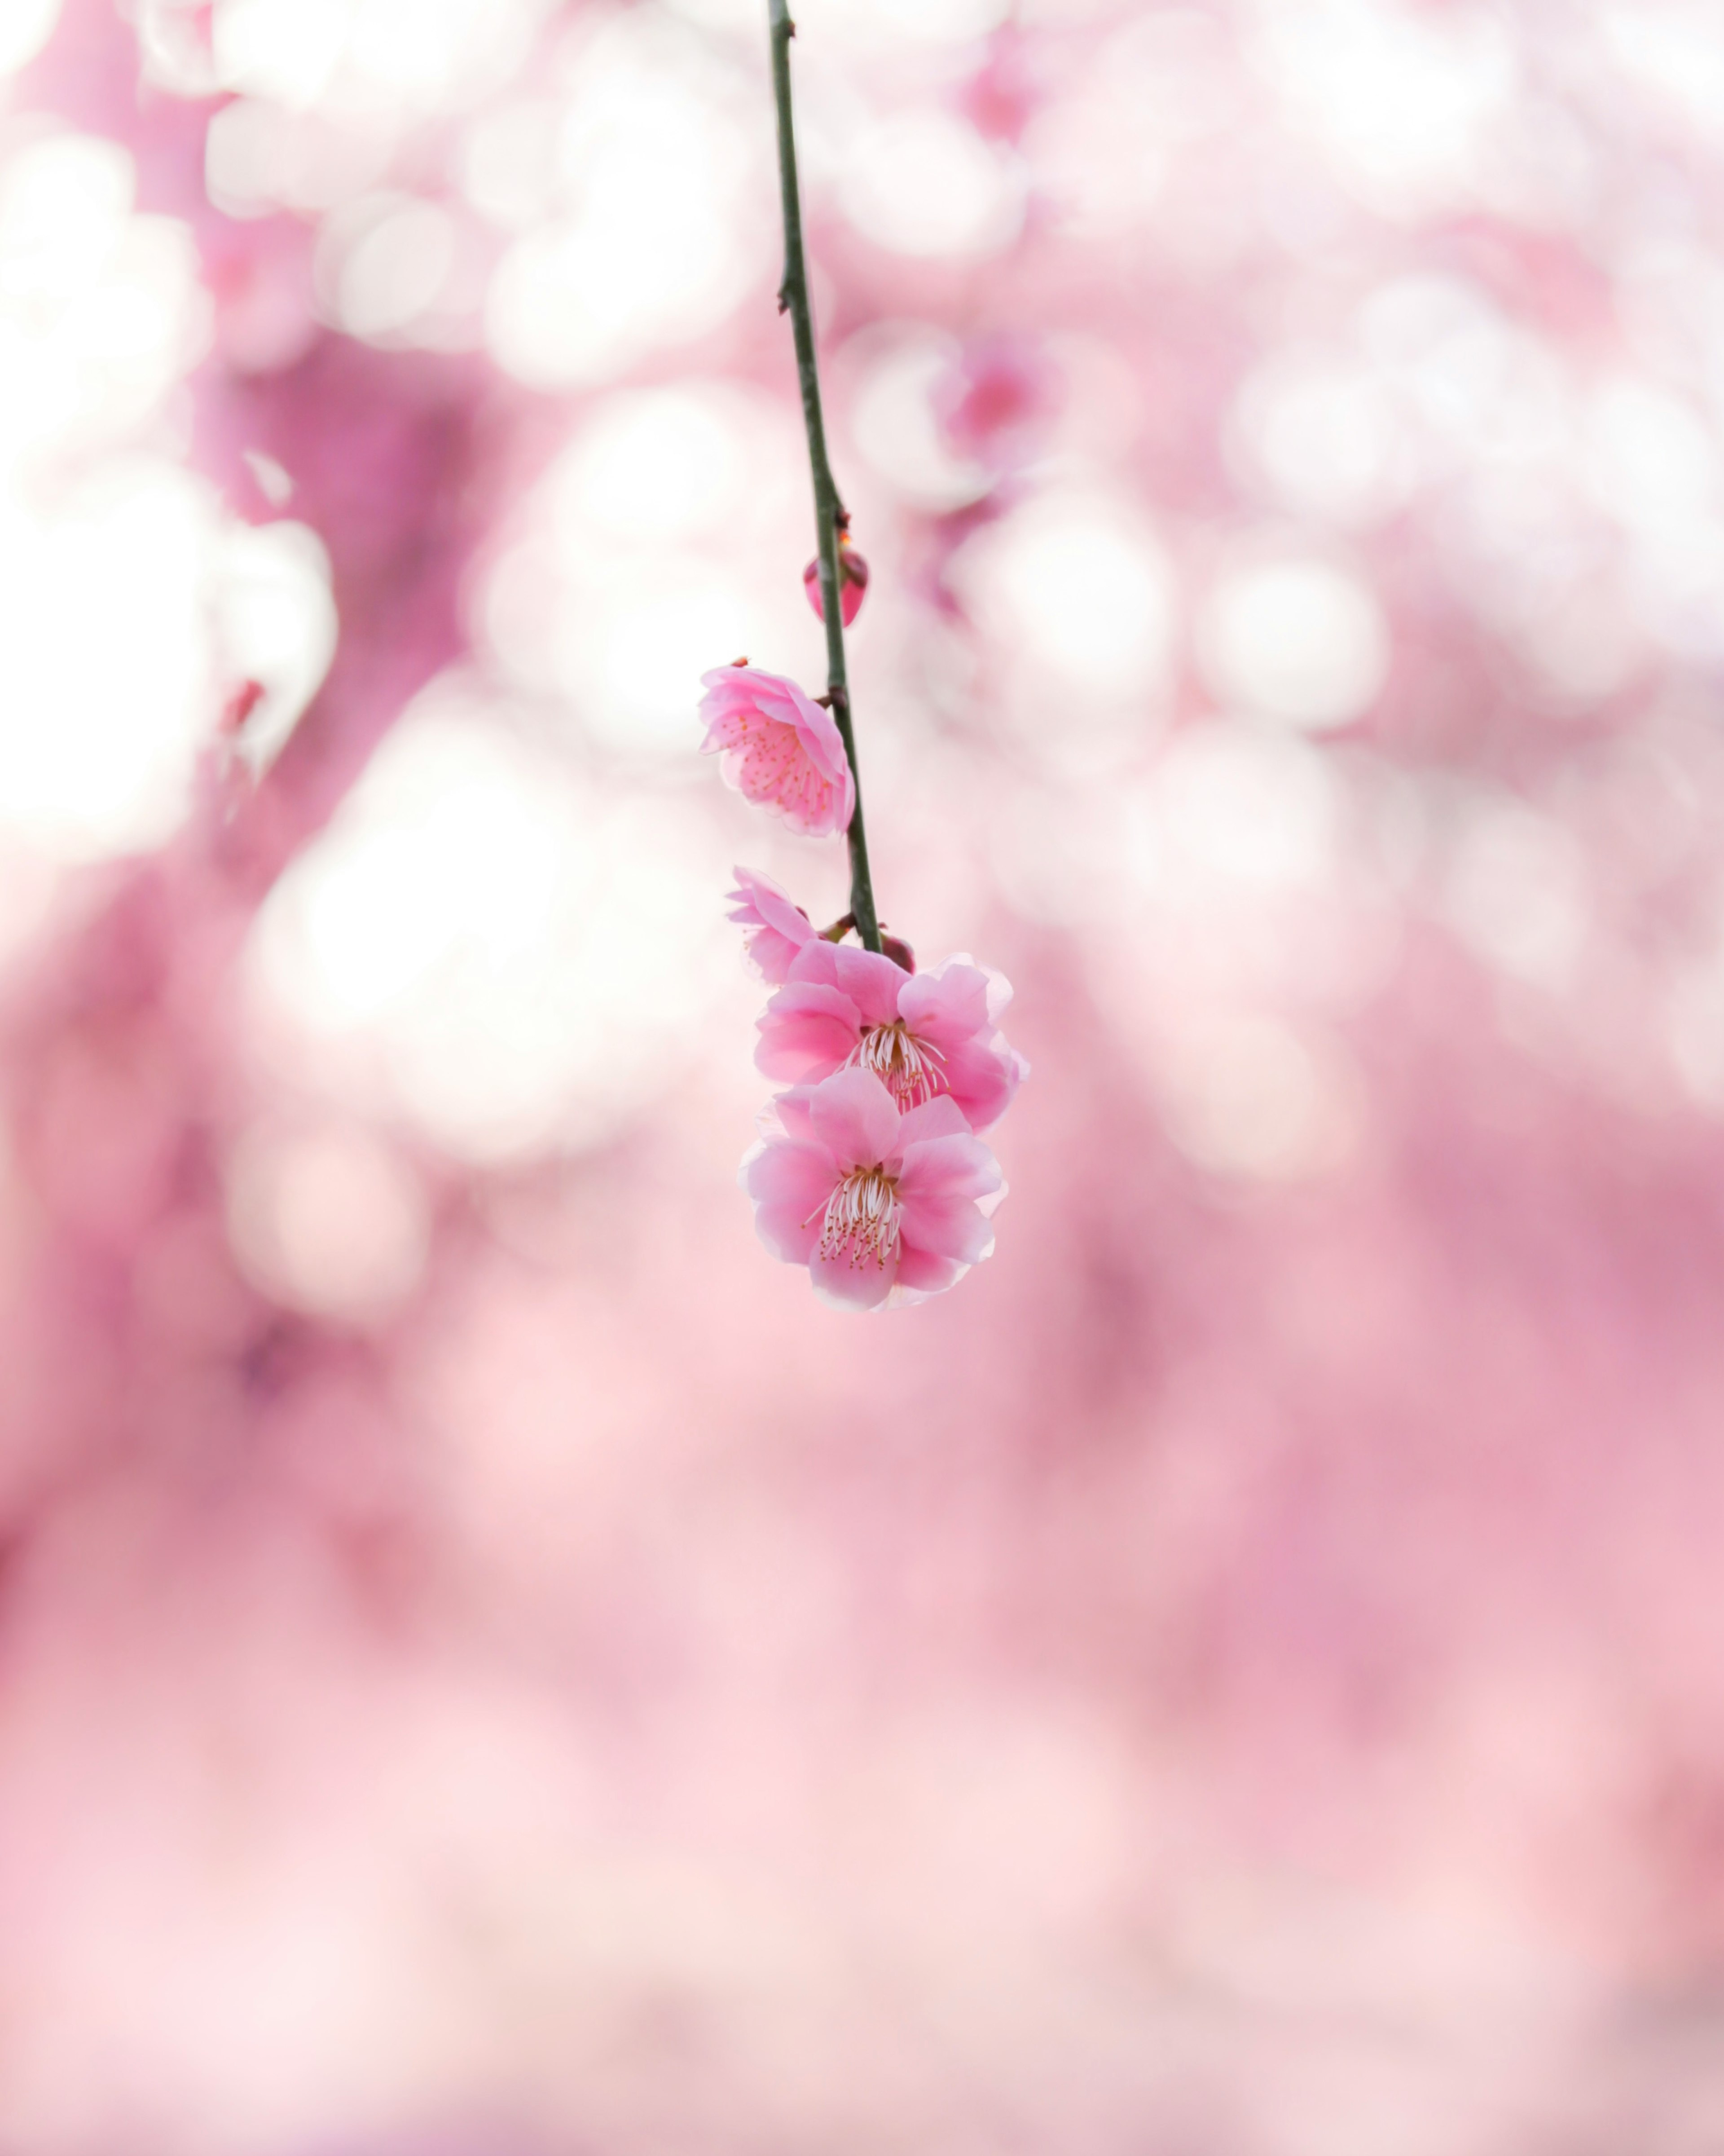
870,1170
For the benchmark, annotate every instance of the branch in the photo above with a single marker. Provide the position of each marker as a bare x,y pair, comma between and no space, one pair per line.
829,514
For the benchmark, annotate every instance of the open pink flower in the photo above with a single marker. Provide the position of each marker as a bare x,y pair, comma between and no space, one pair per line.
925,1036
852,582
775,928
879,1205
779,749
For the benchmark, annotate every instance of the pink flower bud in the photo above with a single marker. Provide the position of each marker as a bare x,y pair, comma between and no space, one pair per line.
853,579
240,704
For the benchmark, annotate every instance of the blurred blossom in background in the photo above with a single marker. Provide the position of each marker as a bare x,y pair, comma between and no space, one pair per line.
486,1663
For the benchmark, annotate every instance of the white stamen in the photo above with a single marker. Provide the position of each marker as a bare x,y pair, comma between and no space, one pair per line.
862,1218
908,1068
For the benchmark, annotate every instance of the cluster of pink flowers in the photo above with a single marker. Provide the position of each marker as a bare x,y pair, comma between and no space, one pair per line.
870,1170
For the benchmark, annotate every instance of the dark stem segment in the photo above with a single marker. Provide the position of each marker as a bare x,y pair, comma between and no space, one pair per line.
830,516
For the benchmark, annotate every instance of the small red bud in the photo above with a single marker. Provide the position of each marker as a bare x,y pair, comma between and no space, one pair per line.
852,578
898,950
240,705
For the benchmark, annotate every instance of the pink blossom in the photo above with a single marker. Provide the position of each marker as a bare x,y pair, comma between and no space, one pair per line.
775,928
779,749
1003,95
853,581
998,404
879,1205
923,1035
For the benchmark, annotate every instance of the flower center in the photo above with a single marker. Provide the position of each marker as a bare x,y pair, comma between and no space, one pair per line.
909,1069
862,1219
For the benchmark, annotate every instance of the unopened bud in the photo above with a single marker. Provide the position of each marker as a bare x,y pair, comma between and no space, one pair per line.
241,703
898,950
852,577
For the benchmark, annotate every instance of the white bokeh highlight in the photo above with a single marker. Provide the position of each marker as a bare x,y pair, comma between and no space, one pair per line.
657,222
1247,1096
481,946
326,1219
1301,641
1076,597
131,605
653,549
927,184
25,27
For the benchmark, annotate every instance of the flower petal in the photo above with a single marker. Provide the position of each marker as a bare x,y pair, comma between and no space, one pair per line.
854,1283
1000,995
820,736
790,1184
983,1075
923,1273
945,1006
953,1166
774,928
759,900
947,1228
941,1117
817,961
787,1116
806,1031
853,1115
872,982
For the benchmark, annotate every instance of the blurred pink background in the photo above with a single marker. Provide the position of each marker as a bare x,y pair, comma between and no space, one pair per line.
487,1662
